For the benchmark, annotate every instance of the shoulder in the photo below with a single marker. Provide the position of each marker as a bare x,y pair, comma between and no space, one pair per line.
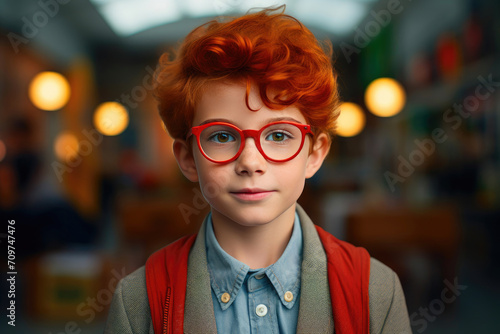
172,253
136,280
383,281
349,254
129,310
387,306
388,311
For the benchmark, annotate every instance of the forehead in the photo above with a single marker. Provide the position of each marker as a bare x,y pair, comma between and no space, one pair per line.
226,100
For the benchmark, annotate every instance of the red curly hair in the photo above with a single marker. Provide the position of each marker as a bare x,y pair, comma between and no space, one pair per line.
269,49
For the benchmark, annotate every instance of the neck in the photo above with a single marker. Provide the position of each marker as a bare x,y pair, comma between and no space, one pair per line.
257,246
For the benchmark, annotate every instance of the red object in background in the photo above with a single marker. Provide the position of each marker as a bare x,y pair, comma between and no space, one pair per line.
473,38
420,70
136,172
449,56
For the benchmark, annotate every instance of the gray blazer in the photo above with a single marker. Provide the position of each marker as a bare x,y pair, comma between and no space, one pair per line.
129,311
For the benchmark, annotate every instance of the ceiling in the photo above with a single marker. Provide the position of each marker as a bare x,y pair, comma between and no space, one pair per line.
65,28
128,17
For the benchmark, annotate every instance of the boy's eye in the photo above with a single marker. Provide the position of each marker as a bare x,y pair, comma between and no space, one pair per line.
277,136
221,137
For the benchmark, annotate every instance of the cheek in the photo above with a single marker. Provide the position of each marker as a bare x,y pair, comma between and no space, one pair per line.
212,180
291,181
293,172
207,171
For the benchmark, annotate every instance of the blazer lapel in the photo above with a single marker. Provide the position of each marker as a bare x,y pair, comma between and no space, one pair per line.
199,312
315,312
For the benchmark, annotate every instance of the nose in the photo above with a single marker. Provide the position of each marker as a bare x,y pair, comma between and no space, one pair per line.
250,161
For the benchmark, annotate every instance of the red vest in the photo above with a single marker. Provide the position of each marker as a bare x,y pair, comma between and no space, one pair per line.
348,279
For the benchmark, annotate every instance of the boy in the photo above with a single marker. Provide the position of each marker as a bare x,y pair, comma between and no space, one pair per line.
252,104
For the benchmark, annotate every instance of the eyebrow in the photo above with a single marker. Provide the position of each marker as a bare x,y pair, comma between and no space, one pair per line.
212,120
269,120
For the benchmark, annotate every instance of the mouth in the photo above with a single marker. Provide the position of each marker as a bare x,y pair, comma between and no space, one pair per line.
251,194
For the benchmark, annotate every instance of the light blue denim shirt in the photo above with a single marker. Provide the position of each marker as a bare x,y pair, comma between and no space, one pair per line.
259,300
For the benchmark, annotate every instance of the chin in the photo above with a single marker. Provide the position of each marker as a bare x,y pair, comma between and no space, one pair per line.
255,216
251,220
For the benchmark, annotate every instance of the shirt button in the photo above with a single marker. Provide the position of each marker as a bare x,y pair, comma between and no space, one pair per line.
225,297
261,310
259,276
288,296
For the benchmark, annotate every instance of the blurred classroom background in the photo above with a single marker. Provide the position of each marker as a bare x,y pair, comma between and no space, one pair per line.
88,175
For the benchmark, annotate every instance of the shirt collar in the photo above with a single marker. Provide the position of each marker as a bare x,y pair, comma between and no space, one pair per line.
227,274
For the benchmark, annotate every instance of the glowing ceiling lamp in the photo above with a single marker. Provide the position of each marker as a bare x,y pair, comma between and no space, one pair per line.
111,118
385,97
128,17
351,120
338,17
49,91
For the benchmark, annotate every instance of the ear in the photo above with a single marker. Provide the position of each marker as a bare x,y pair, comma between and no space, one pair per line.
318,154
185,160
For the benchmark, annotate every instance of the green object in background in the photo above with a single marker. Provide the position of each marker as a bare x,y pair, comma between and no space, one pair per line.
69,293
376,57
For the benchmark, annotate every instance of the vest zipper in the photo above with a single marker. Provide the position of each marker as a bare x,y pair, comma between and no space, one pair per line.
165,312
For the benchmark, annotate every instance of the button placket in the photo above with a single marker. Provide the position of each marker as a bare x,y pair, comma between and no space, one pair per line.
254,283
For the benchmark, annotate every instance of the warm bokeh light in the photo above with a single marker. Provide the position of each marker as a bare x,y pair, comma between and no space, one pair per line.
66,146
351,120
3,150
385,97
111,118
49,91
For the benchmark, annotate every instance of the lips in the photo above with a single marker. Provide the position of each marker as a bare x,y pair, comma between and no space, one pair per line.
252,194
